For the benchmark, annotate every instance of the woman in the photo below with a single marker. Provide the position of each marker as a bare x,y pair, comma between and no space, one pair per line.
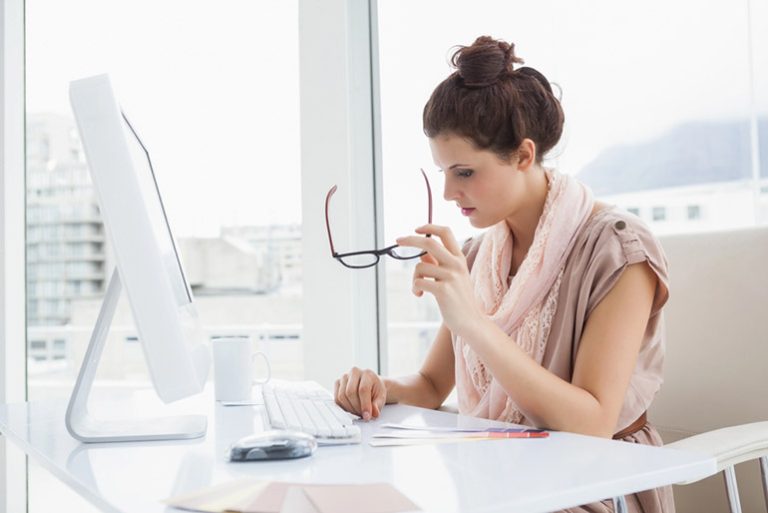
551,317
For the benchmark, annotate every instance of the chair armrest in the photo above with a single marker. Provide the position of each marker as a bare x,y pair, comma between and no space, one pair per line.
729,445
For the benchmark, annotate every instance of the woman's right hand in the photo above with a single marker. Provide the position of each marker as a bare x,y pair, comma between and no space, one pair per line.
361,392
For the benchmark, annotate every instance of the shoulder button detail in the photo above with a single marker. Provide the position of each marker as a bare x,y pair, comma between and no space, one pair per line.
620,225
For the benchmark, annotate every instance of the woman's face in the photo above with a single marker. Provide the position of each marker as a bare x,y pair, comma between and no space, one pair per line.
485,187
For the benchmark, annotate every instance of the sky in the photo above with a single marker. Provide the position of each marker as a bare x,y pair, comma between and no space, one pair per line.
214,92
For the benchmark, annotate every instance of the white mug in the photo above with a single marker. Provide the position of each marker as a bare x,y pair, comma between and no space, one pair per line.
234,369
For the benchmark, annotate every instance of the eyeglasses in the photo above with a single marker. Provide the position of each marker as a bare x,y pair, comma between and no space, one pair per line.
363,259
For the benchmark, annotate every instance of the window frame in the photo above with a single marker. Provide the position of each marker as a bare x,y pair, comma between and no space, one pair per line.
343,310
13,484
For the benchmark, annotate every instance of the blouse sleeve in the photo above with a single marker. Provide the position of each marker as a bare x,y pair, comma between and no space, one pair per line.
623,240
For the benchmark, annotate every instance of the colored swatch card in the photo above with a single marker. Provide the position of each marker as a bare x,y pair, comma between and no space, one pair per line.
242,495
359,498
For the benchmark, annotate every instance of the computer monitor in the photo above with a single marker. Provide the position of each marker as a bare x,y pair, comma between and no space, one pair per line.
148,266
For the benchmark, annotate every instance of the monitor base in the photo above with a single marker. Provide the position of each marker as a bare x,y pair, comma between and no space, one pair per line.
82,426
90,430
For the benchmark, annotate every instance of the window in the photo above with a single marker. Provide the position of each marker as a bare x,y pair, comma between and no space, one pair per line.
694,212
37,345
220,117
633,139
634,211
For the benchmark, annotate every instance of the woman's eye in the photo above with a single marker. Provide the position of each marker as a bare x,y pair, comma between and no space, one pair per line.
464,173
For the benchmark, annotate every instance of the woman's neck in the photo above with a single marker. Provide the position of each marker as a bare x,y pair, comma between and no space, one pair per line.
525,220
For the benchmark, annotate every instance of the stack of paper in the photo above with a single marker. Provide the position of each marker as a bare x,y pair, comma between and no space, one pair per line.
404,434
250,496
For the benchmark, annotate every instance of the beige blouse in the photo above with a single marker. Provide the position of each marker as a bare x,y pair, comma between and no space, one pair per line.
610,241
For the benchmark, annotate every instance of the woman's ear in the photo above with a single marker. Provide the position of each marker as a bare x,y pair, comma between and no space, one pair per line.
526,154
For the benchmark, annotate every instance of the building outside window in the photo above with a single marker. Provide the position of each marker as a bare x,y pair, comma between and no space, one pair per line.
659,213
694,212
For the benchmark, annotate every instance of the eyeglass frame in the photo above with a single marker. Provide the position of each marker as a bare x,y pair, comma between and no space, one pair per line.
376,252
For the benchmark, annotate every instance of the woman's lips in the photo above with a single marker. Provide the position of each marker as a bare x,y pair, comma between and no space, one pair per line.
467,211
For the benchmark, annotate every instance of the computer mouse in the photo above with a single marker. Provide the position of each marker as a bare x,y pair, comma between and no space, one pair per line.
273,445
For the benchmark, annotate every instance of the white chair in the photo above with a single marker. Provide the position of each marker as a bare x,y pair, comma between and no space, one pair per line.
715,393
730,446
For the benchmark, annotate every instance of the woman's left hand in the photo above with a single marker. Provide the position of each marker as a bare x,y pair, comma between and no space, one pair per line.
443,273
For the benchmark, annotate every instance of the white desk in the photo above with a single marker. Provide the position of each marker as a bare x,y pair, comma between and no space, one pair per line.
534,475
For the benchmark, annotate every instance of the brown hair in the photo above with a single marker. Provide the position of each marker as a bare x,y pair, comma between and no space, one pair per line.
494,105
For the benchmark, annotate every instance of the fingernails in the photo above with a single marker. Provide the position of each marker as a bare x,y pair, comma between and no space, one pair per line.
366,415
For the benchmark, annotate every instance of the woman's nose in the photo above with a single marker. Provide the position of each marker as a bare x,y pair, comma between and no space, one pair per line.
450,192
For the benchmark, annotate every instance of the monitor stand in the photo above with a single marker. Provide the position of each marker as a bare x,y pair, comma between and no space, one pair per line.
86,428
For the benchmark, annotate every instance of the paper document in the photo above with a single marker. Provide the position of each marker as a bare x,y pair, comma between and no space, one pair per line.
251,496
530,432
404,434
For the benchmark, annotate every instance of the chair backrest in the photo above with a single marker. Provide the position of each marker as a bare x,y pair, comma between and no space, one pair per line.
716,364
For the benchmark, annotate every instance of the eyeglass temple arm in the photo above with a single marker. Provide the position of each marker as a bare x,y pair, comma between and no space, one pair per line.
327,222
429,194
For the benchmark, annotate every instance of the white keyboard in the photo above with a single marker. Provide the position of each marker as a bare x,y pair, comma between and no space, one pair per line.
305,406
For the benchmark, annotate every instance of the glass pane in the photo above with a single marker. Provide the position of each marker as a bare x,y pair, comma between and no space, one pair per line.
362,260
656,119
406,252
213,91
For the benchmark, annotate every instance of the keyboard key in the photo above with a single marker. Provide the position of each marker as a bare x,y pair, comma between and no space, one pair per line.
273,411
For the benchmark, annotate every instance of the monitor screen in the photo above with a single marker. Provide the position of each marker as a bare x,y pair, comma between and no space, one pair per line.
153,203
147,261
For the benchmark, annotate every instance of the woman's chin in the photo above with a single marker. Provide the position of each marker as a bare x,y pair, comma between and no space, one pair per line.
479,223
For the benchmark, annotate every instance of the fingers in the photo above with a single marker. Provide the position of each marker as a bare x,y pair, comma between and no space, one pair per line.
364,392
360,392
445,234
420,286
379,398
340,394
438,251
428,272
425,270
351,390
428,259
443,251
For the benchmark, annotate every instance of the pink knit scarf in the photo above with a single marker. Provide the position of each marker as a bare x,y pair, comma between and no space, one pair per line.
525,308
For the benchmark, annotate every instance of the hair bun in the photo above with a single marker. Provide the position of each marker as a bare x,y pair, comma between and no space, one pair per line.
536,75
485,61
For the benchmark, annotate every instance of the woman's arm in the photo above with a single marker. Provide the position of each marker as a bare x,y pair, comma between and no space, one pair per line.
435,379
607,353
608,348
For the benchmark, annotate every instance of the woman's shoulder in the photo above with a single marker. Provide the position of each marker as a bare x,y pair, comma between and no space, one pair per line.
611,240
611,229
605,215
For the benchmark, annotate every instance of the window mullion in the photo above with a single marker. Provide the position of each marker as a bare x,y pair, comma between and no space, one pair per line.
13,473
